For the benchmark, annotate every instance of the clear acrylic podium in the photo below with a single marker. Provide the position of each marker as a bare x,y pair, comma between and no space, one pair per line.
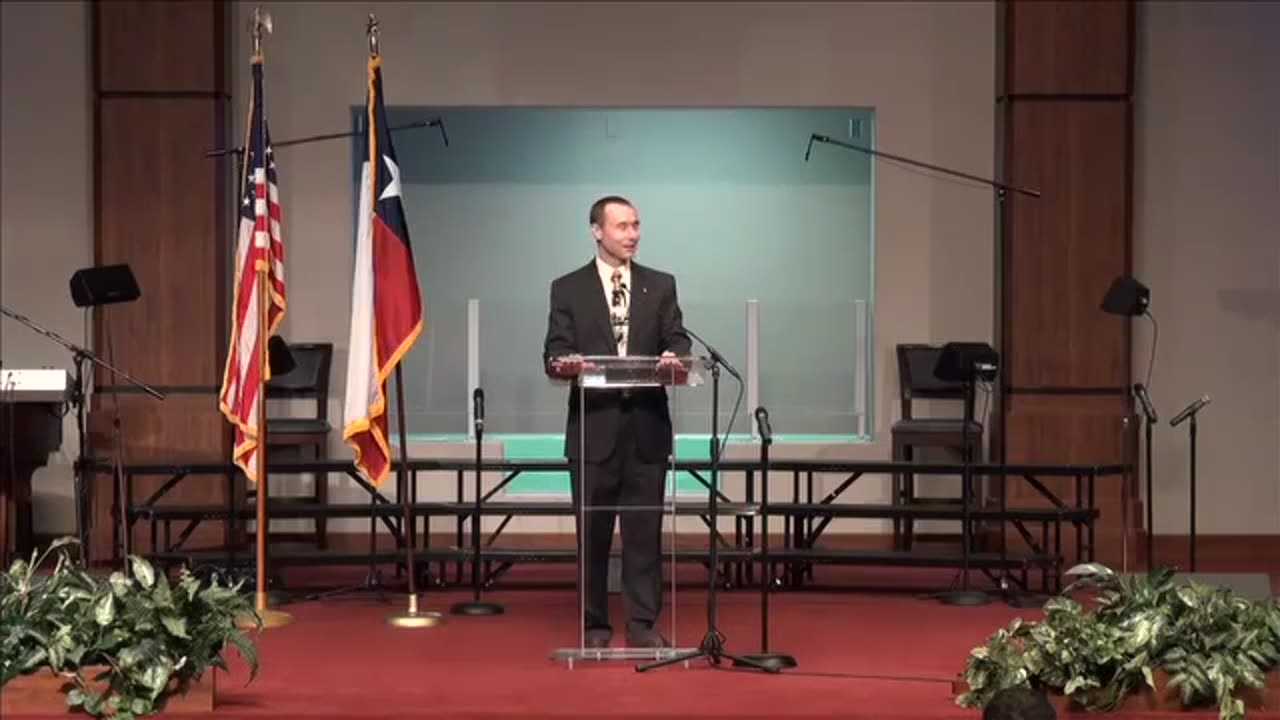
621,374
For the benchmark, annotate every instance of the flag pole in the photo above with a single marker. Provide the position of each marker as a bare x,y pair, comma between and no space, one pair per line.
268,617
412,617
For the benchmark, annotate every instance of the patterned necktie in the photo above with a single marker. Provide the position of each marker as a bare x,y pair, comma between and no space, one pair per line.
619,314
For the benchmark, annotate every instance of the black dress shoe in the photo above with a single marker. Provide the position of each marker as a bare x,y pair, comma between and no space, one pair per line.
598,638
646,638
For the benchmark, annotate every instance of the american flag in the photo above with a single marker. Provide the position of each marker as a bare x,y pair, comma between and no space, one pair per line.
258,247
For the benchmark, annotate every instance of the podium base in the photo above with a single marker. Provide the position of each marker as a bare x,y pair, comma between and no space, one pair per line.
580,654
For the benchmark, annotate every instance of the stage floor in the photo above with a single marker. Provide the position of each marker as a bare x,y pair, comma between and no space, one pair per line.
861,655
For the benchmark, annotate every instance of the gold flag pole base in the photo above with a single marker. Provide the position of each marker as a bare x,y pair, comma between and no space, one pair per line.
415,618
270,618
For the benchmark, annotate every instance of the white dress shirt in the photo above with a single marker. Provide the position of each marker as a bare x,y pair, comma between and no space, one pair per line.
619,313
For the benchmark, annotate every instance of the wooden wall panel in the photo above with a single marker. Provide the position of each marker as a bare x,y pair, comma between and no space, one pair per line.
161,101
182,427
1060,47
164,222
1065,82
1066,430
160,46
1065,248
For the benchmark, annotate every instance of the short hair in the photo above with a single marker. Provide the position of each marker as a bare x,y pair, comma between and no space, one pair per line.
1019,703
596,216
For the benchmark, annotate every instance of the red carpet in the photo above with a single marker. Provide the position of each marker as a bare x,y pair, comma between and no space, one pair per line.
861,655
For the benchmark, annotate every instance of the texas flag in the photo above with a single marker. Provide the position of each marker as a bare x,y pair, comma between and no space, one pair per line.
386,307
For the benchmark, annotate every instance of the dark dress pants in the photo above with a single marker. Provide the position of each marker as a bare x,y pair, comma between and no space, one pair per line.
626,482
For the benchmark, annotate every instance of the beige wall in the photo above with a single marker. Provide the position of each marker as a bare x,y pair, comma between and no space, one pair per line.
1207,242
46,204
1205,173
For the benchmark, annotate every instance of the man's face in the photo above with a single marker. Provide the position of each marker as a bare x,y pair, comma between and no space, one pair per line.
618,232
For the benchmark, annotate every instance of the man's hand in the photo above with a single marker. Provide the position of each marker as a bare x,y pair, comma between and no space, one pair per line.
569,365
669,361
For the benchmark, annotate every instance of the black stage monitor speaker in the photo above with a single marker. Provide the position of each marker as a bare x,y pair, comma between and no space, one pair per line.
1126,296
104,285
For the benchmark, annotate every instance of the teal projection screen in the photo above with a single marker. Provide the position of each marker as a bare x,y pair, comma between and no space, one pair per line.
727,204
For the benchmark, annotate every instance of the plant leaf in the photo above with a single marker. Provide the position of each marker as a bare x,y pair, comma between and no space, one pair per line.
245,647
75,697
142,571
104,611
175,625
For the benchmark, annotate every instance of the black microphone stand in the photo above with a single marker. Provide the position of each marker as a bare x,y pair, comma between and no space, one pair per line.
966,595
1191,412
475,606
1002,187
1150,419
963,362
83,464
239,151
712,645
764,657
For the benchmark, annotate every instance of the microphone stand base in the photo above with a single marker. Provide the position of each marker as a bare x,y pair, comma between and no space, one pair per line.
477,608
964,597
711,648
768,661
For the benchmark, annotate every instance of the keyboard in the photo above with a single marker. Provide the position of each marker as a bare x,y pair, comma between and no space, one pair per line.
34,386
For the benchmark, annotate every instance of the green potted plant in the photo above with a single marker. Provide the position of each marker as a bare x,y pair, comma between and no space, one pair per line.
1143,634
125,643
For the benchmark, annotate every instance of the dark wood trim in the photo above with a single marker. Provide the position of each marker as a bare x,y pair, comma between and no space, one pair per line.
184,94
1063,390
1075,97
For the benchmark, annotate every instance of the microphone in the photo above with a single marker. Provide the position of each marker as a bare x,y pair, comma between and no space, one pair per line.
715,355
1190,410
1147,408
810,148
477,398
444,134
762,420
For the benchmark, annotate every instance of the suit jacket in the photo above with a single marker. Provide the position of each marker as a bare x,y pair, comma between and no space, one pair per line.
578,322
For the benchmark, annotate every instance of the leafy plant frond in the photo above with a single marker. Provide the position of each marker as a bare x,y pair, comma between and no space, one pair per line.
1210,641
153,637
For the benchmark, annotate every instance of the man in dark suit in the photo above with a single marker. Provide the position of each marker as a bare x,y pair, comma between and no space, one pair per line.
614,306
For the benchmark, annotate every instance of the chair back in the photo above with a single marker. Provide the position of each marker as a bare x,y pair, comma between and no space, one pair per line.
309,378
916,378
